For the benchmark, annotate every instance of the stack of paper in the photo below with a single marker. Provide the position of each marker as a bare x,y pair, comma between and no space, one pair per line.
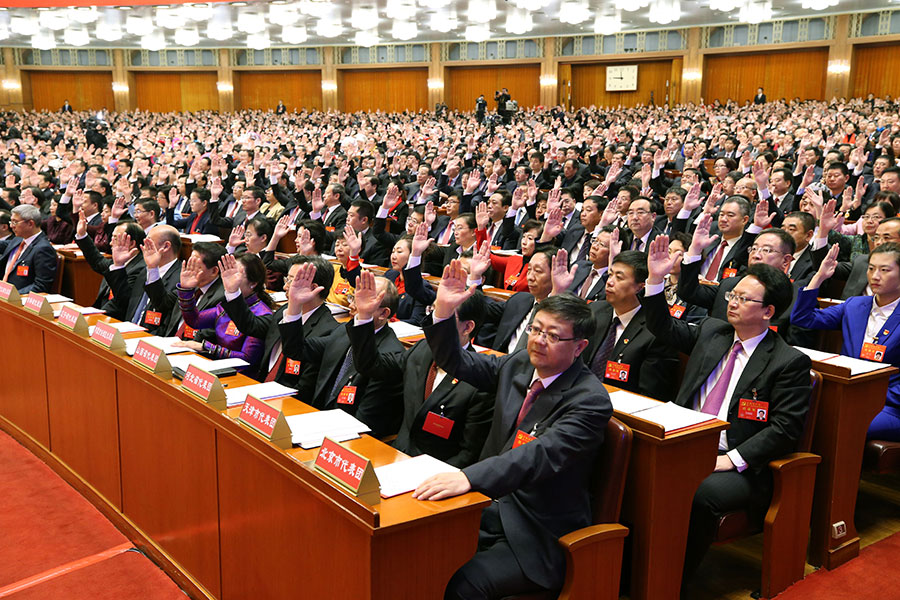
628,403
337,309
166,344
402,329
124,327
263,391
201,237
673,417
406,475
279,297
54,298
85,310
857,366
308,430
184,361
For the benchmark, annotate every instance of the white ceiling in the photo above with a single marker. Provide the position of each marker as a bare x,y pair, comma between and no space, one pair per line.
283,23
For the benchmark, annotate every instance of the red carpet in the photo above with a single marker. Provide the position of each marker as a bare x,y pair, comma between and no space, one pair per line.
873,574
55,544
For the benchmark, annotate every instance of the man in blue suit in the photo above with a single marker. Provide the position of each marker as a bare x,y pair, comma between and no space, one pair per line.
28,260
868,324
549,415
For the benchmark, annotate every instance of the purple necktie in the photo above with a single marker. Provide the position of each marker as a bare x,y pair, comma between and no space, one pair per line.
716,396
536,388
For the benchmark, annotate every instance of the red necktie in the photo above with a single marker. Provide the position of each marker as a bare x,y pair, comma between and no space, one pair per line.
429,380
12,261
448,231
712,273
273,372
536,388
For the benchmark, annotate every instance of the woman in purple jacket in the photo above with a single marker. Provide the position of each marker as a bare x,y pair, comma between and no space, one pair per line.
244,275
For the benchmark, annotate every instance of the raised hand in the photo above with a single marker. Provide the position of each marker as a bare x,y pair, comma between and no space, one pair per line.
817,201
518,198
81,225
428,187
493,184
560,273
353,240
190,273
692,199
367,298
861,189
702,240
808,177
482,216
761,217
826,269
760,175
390,197
646,174
532,191
480,261
473,182
317,204
430,214
610,213
302,289
230,273
305,244
659,262
216,188
152,254
420,241
554,225
282,227
173,199
615,245
236,238
452,291
123,249
829,219
554,199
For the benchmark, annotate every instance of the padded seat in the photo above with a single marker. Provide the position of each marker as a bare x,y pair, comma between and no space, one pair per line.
882,456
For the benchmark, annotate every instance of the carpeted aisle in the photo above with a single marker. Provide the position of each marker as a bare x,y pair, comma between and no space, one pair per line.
873,574
55,544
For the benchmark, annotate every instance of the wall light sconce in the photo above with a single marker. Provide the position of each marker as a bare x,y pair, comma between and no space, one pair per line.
11,84
548,80
120,88
435,84
329,85
224,86
838,67
692,75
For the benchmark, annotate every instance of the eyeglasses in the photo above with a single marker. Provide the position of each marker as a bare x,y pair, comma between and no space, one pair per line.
764,250
551,338
872,218
637,213
742,300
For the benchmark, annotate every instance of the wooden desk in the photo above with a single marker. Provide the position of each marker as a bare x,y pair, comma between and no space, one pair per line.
79,282
846,408
226,514
663,476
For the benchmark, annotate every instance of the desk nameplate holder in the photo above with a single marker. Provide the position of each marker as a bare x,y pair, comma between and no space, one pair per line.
109,337
38,305
9,293
72,319
349,470
206,386
267,421
153,359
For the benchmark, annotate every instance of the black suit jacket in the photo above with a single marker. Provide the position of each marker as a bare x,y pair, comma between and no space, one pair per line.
540,487
213,296
100,264
161,293
502,318
776,374
38,260
598,291
205,224
379,398
469,409
653,364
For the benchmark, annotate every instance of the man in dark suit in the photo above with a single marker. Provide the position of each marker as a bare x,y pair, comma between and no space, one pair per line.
209,287
801,226
152,296
641,217
66,107
252,199
316,320
133,236
548,423
28,260
442,416
590,277
760,97
741,372
623,352
375,400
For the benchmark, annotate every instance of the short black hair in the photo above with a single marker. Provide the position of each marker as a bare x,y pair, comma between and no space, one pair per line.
888,248
807,220
787,241
324,272
262,226
317,233
151,206
779,290
211,253
472,310
635,259
203,194
364,209
572,309
135,232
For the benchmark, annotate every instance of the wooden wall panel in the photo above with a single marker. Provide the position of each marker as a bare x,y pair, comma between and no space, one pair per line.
463,85
876,70
83,89
176,92
589,84
388,90
798,73
263,90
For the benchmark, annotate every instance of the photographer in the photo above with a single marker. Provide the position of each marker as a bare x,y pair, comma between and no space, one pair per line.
502,97
480,108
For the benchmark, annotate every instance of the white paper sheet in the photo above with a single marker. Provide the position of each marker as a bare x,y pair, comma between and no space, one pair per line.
201,237
308,430
54,298
628,403
337,309
857,366
85,310
278,296
672,416
163,343
406,475
184,361
124,327
403,329
816,354
263,391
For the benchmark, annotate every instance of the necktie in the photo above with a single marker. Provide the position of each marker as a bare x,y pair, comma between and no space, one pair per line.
345,366
232,210
429,380
585,248
716,396
445,236
598,365
273,372
522,339
490,234
587,284
712,273
536,388
636,244
12,261
141,307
